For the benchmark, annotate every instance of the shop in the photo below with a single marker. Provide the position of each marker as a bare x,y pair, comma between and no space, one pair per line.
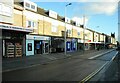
13,40
37,45
57,44
80,44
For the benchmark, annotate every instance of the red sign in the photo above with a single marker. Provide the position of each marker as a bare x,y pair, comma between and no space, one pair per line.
89,40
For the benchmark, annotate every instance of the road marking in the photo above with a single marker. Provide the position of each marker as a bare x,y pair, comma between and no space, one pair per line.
99,55
114,56
97,71
93,74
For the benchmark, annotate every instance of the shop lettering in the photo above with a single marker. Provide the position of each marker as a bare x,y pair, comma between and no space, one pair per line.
15,28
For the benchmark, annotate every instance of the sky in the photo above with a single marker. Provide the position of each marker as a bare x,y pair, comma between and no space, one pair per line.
101,16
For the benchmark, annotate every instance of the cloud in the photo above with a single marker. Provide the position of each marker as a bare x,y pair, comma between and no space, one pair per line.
107,8
93,7
80,20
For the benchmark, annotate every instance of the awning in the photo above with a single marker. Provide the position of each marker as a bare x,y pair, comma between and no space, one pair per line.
16,28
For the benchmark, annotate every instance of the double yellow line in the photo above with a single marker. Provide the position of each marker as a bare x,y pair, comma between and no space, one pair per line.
98,70
93,74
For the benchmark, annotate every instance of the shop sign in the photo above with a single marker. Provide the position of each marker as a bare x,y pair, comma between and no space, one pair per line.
68,39
74,40
10,27
89,40
58,38
35,37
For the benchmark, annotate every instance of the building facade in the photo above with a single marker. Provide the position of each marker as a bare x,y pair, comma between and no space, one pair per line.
13,36
29,30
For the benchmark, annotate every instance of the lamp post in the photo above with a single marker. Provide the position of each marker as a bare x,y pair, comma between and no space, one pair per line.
104,41
65,26
83,32
95,38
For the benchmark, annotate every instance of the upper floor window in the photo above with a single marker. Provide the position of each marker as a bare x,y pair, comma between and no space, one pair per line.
31,24
27,5
69,31
78,33
54,28
5,10
32,6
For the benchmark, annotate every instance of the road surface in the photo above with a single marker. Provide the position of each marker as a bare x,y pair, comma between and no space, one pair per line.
74,68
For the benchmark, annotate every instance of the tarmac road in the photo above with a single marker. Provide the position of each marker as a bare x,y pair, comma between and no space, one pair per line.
70,69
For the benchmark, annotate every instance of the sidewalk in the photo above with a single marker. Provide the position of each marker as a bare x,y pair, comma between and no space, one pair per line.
9,64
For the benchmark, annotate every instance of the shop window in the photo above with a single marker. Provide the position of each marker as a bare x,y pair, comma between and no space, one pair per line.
29,46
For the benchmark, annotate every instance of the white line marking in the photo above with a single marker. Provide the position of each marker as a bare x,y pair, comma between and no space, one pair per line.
93,73
99,55
114,56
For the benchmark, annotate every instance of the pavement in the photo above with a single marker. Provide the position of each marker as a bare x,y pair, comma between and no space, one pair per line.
9,64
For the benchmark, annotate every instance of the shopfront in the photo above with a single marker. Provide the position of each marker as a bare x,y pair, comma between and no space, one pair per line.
37,45
57,44
80,44
13,40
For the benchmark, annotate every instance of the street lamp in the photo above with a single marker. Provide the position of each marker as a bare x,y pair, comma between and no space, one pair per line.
65,25
84,32
103,40
95,37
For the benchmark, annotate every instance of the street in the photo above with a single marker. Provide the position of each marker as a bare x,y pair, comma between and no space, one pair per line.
73,68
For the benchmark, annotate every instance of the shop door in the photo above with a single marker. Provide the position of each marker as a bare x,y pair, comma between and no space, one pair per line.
38,47
46,47
74,46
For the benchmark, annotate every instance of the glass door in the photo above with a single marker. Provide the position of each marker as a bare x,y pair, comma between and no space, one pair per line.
46,47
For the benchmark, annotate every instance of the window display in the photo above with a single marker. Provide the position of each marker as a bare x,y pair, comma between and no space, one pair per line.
18,49
29,46
10,49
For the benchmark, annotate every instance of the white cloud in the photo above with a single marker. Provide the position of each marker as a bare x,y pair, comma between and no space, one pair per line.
80,20
107,8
